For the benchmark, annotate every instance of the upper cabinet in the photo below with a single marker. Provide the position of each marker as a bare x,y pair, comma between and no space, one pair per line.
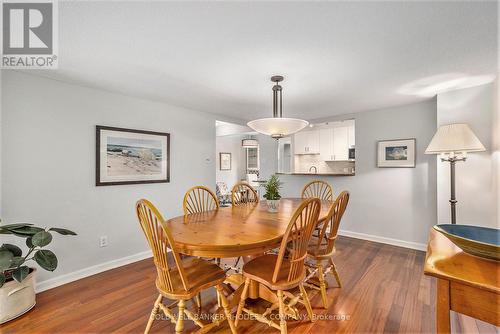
335,143
352,137
341,143
306,142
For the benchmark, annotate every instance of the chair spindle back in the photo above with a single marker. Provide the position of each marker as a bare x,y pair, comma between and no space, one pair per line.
297,237
319,189
199,199
331,226
243,193
160,240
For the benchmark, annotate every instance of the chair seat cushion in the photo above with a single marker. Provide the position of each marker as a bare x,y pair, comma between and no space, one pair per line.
200,275
261,269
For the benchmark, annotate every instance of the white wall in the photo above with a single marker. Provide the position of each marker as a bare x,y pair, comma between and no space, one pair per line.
396,205
231,144
496,144
1,73
476,187
268,155
48,165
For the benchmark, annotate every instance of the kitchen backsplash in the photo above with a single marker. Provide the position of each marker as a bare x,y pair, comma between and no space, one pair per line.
305,161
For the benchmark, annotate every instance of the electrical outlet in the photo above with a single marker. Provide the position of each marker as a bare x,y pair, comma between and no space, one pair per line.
103,241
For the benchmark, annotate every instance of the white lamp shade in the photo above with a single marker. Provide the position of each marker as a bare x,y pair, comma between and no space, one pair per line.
278,127
454,138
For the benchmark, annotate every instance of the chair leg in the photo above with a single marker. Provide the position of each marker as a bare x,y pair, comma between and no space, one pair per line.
307,303
153,314
241,304
227,311
197,299
179,326
335,273
322,285
282,312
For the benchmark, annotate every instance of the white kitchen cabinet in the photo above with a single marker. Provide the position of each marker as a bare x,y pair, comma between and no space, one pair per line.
326,144
352,137
306,142
341,143
334,144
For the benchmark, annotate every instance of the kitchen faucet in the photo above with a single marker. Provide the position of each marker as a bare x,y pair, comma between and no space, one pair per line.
315,169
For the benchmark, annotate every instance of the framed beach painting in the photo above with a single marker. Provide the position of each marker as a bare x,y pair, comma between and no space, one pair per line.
126,156
396,153
225,161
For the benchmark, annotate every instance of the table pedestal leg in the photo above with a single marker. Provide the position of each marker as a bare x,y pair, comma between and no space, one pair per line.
255,290
443,306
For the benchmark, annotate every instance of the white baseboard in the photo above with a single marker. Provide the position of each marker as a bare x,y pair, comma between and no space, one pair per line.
384,240
82,273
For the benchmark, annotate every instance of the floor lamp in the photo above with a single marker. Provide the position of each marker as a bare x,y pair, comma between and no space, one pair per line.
453,141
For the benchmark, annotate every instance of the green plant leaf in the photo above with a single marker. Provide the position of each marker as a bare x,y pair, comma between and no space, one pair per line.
14,226
62,231
16,251
26,231
2,279
5,259
46,259
17,261
6,229
41,239
29,242
21,273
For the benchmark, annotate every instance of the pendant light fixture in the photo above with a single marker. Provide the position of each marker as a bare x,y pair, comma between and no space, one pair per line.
249,143
277,126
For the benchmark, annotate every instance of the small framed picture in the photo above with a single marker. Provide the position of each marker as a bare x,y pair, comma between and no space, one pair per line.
126,156
225,161
396,153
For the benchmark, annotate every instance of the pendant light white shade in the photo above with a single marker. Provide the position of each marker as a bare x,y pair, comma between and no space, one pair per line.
278,127
454,138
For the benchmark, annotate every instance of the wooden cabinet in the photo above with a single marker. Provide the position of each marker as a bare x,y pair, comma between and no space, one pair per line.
334,143
306,142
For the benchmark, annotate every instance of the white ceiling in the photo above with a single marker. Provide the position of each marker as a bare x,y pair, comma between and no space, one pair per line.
337,57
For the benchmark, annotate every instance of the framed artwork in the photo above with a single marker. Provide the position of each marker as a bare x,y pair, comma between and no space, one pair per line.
126,156
396,153
224,161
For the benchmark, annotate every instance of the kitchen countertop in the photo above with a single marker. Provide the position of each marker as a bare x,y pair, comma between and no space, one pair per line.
319,174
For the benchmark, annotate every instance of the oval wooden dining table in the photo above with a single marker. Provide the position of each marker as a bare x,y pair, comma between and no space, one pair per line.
247,229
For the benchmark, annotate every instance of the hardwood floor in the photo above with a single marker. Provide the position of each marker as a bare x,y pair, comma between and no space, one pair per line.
384,290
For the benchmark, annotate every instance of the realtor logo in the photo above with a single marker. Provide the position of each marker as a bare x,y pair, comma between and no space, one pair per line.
29,34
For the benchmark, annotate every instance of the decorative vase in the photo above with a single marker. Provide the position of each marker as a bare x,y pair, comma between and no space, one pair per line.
273,205
17,298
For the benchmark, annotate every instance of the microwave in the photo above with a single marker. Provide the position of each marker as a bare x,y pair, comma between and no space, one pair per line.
352,153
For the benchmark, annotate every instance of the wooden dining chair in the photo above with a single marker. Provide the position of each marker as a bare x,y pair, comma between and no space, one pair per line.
322,248
199,199
243,193
181,280
319,189
282,273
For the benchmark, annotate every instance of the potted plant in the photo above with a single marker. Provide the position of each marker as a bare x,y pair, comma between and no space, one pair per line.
17,285
272,195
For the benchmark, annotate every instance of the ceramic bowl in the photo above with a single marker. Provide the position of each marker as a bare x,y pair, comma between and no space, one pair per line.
476,240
